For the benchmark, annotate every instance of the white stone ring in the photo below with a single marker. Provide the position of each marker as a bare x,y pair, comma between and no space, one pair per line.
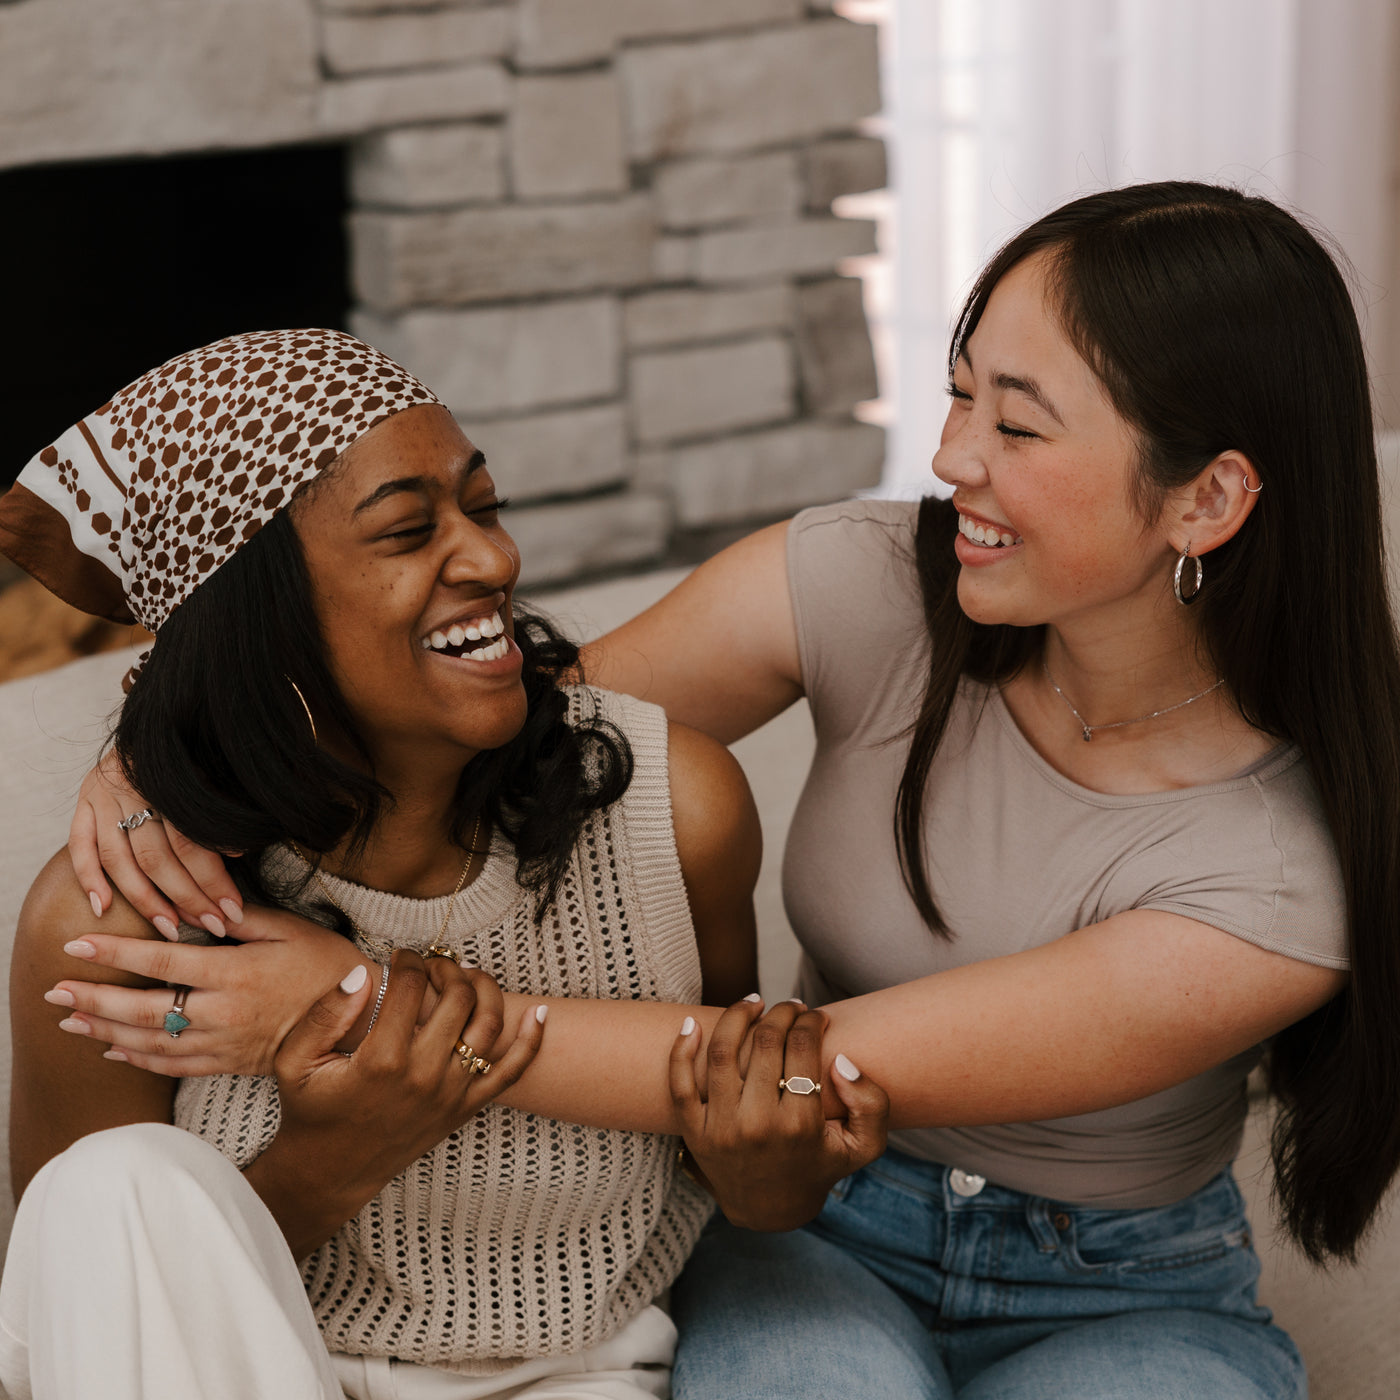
137,819
799,1084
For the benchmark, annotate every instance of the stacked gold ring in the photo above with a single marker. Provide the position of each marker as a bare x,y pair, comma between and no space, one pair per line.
470,1060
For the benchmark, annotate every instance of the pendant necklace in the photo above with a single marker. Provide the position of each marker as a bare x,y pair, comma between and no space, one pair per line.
1091,729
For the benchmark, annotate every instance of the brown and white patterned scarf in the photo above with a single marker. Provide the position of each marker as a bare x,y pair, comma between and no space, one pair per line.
139,502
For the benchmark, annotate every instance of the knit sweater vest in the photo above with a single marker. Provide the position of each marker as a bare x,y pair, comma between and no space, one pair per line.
516,1236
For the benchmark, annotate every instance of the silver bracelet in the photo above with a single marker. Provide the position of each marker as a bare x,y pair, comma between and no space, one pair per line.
379,1000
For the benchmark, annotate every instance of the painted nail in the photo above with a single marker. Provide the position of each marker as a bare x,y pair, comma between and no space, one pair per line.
214,924
58,997
540,1013
354,979
233,911
166,928
796,1001
80,948
115,1055
467,966
845,1068
77,1027
753,996
96,904
687,1025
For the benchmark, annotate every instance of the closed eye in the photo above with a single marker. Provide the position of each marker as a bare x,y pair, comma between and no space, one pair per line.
1005,429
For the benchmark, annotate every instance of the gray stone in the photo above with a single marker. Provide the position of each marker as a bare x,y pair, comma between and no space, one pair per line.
673,258
554,454
767,474
461,256
566,137
675,318
349,105
147,77
810,245
506,359
833,346
850,165
571,540
421,39
698,193
713,389
415,166
564,33
360,7
739,93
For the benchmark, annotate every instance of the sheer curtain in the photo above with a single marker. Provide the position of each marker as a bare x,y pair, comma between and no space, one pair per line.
1001,109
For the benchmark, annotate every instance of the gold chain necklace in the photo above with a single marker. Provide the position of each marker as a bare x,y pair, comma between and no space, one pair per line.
438,947
1121,723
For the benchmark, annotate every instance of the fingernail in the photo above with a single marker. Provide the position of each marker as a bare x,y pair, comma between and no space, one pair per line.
845,1068
214,924
687,1025
166,928
58,997
753,996
796,1001
233,911
71,1023
96,904
540,1013
355,978
80,948
114,1055
466,966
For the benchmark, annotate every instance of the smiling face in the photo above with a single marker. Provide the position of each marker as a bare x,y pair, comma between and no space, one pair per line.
412,577
1042,463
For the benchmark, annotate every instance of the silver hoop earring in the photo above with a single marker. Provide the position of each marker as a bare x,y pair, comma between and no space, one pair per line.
1253,490
307,707
1188,598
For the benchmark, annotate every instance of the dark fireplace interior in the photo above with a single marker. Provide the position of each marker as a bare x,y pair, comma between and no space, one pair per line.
114,266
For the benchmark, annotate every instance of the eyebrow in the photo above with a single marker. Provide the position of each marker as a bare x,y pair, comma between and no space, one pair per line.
1021,384
414,483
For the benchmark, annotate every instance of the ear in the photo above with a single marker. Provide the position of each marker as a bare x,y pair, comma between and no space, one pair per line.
1209,510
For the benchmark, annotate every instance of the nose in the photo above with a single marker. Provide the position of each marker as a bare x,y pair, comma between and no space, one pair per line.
481,555
960,460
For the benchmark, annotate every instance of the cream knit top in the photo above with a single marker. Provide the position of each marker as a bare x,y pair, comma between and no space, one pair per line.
516,1236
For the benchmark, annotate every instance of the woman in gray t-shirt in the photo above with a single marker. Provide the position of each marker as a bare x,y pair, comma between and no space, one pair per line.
1103,801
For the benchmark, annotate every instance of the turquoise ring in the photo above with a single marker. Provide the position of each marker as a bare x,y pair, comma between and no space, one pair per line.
175,1019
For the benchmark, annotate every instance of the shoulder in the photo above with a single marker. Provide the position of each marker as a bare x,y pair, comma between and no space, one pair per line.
870,530
713,811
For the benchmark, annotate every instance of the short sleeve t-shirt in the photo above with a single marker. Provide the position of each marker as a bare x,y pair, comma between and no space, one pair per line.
1019,855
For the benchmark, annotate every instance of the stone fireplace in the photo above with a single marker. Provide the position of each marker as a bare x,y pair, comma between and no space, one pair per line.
602,230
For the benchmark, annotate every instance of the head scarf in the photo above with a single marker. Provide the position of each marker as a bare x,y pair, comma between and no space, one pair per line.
139,502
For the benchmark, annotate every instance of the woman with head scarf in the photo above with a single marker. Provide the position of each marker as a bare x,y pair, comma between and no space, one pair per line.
342,690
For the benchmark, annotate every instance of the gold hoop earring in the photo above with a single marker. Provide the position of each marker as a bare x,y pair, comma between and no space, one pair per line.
304,706
1253,490
1186,599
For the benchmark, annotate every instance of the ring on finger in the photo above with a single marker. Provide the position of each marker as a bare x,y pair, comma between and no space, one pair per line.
470,1060
129,824
799,1084
176,1022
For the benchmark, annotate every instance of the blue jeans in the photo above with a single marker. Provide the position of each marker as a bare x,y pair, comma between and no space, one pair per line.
904,1289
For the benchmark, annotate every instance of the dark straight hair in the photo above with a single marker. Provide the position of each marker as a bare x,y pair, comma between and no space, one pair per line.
1215,320
213,735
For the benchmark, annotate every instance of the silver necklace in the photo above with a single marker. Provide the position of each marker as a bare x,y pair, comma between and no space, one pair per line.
1121,723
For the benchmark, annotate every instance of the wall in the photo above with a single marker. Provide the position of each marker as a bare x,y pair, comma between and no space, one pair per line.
601,229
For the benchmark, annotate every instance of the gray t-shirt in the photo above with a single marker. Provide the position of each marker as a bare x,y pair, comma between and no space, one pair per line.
1018,855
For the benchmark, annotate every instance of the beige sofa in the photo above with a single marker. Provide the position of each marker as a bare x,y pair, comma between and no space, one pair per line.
51,725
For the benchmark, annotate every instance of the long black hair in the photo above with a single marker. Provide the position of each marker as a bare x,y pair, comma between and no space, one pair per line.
1215,320
214,737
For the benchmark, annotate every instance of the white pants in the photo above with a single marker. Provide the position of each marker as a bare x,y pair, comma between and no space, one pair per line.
144,1267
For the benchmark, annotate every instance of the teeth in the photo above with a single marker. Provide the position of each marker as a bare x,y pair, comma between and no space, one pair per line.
472,631
439,640
987,535
457,634
474,634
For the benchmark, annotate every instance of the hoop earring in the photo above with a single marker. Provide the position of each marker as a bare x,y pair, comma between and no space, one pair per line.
307,707
1188,598
1253,490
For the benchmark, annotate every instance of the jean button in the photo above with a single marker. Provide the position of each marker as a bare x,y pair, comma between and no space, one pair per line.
965,1183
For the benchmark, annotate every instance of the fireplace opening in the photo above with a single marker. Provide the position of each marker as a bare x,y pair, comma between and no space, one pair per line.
114,266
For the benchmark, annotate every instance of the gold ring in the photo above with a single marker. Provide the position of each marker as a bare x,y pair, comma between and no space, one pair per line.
799,1084
436,950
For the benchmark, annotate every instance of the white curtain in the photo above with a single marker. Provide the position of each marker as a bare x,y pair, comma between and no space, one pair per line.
1001,109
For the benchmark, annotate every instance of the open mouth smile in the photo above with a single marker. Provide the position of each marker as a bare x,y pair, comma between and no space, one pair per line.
477,639
987,535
